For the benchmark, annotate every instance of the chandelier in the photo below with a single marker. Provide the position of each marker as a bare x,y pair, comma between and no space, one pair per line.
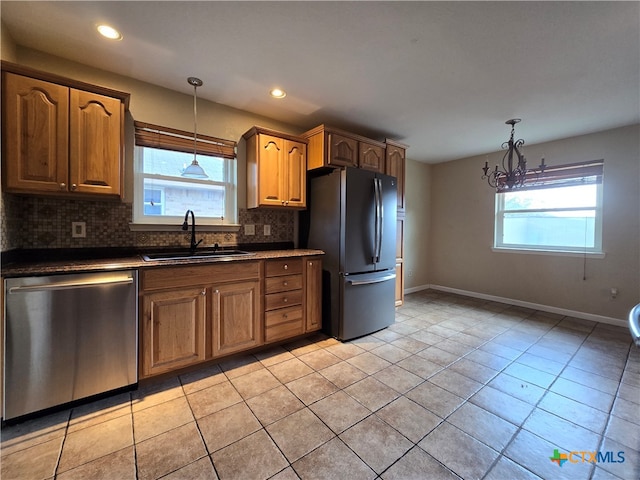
511,176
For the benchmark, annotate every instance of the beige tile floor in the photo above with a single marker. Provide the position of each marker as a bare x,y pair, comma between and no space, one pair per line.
456,388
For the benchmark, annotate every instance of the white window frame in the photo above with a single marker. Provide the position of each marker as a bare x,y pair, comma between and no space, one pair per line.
229,221
561,176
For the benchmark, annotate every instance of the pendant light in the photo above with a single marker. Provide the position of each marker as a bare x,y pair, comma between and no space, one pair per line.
195,170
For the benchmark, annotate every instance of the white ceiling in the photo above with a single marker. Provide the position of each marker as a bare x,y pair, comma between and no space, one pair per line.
440,76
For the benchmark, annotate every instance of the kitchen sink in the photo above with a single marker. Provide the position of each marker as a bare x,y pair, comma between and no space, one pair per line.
177,255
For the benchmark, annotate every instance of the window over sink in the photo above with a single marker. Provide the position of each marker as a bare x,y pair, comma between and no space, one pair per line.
164,190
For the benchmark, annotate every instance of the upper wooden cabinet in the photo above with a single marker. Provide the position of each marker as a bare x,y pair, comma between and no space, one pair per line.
395,166
330,147
276,169
59,139
371,156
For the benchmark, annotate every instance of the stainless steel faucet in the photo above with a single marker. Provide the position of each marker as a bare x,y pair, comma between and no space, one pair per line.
185,227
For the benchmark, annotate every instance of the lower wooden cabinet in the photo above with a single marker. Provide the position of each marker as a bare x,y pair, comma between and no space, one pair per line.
313,294
173,326
293,297
235,317
195,313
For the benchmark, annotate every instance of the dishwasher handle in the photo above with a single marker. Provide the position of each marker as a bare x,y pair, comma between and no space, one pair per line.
71,285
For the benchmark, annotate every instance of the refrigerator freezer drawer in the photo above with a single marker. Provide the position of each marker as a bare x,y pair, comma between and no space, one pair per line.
368,304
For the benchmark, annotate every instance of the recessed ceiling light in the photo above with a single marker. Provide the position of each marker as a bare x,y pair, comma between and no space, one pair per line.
278,93
109,32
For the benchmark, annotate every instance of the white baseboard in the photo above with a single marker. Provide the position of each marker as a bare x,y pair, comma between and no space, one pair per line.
416,289
519,303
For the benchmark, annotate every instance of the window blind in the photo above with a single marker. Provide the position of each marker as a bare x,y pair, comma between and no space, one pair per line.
156,136
571,174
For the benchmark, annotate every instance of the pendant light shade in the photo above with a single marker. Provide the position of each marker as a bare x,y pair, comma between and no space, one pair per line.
195,170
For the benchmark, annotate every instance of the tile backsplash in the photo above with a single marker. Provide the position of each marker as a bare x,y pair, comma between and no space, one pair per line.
45,222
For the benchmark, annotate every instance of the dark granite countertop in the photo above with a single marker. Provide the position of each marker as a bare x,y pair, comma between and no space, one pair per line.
55,261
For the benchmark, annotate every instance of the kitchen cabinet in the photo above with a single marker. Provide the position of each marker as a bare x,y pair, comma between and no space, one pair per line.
173,329
194,313
276,169
60,139
283,316
371,156
313,294
330,147
235,317
395,166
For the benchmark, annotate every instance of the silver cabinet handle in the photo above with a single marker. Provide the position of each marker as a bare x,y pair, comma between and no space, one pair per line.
286,267
73,186
63,186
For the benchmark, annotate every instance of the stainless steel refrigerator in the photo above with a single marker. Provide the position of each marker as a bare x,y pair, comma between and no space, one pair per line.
351,215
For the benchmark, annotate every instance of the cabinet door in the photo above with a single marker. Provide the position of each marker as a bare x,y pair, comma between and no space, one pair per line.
236,319
343,151
399,283
35,122
295,181
313,294
95,132
270,170
395,164
371,157
173,330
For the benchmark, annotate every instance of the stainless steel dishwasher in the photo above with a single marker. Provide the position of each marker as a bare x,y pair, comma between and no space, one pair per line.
68,337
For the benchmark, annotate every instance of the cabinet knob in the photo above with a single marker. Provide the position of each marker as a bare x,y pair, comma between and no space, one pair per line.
285,300
63,186
73,186
285,283
286,267
204,292
311,264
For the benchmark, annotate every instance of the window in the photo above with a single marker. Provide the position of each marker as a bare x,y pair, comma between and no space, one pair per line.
162,194
560,211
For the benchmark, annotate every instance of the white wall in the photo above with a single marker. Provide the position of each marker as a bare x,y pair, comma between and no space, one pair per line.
461,232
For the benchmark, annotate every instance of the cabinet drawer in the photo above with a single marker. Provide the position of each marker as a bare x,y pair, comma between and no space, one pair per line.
282,315
282,299
283,323
173,277
283,283
286,266
283,330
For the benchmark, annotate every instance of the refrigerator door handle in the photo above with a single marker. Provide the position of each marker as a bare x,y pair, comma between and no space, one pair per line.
369,282
381,222
377,200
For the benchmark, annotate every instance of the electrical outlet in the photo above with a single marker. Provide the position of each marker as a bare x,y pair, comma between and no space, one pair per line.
267,230
250,229
78,230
